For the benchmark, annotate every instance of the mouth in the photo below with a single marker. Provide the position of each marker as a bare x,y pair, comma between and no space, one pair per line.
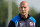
23,12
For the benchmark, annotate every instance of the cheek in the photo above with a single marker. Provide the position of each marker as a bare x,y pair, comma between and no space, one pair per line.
26,10
20,10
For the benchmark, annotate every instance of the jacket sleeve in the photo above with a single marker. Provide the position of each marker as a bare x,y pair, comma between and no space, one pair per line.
11,24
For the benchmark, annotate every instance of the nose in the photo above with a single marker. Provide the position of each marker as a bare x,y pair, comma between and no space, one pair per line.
23,9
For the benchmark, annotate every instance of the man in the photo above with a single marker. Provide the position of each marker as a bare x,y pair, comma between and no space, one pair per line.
23,19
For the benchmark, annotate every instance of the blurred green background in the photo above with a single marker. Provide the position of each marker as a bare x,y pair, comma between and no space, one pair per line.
15,11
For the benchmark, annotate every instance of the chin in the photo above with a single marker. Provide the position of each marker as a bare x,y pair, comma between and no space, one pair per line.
23,14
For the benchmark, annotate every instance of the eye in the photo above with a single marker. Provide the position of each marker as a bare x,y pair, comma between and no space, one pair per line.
24,7
21,7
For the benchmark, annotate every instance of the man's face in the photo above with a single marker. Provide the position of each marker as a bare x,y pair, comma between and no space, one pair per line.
24,8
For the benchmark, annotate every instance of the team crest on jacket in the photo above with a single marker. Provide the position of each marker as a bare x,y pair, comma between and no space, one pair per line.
31,23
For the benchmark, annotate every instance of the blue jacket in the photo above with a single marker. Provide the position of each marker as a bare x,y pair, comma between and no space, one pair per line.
17,21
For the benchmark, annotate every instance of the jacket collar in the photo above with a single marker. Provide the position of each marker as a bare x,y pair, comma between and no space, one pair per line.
23,18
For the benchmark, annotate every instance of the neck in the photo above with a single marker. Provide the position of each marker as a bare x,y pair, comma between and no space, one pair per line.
24,16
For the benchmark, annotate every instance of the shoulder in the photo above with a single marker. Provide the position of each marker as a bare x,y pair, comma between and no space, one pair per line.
11,24
15,19
31,18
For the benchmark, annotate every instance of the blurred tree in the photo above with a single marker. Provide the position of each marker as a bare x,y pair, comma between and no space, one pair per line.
3,12
32,12
14,9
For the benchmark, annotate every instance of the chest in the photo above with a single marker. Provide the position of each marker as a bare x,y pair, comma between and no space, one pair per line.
26,23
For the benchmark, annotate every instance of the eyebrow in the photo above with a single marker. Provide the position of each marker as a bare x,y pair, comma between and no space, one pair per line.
23,7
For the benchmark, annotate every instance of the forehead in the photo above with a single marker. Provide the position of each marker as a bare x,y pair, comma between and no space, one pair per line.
24,4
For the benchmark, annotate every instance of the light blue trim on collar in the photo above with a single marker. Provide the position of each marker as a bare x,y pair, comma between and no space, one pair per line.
31,18
16,19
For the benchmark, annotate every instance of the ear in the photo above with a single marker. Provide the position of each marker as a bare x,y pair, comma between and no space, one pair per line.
28,8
